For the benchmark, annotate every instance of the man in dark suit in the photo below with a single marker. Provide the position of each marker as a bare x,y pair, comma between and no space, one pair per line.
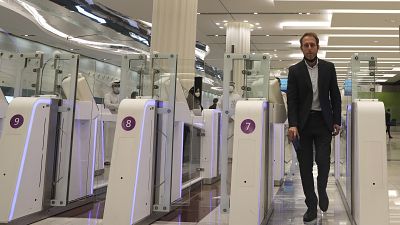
314,108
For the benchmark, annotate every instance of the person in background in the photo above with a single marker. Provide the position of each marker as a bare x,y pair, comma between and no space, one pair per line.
388,119
314,113
111,102
134,94
193,99
214,105
111,99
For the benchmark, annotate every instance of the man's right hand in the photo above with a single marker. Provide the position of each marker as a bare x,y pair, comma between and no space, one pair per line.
292,133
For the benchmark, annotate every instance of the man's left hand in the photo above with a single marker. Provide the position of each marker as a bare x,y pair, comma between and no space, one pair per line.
336,129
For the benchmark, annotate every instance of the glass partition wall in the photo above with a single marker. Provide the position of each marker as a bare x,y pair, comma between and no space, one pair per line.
248,77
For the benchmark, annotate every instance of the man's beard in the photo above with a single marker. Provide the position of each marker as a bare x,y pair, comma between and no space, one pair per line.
311,60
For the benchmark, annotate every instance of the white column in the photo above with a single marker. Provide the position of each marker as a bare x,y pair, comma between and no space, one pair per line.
238,35
174,31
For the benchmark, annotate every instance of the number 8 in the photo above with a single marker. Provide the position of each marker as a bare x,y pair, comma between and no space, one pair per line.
128,123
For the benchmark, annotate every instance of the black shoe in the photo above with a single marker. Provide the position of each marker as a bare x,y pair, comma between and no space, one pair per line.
310,215
390,137
106,163
323,201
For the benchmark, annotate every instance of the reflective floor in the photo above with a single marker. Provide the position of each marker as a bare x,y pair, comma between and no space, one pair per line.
289,205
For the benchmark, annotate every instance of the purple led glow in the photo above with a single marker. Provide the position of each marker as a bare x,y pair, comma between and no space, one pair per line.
21,168
180,172
93,155
102,142
263,132
212,145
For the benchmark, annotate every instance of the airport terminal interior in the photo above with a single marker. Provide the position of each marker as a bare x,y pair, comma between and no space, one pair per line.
169,112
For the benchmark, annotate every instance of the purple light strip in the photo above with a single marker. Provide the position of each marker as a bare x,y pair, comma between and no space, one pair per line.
102,142
212,146
138,159
265,107
21,168
93,156
180,172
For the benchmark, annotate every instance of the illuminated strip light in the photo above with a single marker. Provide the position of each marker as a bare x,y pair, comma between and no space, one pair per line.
364,28
98,45
357,50
362,46
344,28
90,15
21,168
94,155
139,38
364,35
368,11
304,24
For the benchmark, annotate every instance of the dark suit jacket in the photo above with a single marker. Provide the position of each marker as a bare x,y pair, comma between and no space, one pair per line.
300,94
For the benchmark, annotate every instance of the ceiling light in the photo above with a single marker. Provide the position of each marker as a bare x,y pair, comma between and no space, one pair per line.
104,59
363,46
308,13
275,50
257,24
253,53
255,13
364,35
369,11
216,35
26,35
381,80
221,27
251,29
225,21
259,27
267,35
305,24
198,13
217,24
71,49
93,44
376,41
357,50
300,13
245,21
90,15
364,28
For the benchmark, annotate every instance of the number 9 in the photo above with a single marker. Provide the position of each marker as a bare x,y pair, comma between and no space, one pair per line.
16,121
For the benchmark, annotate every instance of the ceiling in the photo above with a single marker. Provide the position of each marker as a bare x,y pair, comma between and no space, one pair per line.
368,27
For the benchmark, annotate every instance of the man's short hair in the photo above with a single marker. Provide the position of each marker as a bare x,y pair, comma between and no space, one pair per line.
309,34
215,100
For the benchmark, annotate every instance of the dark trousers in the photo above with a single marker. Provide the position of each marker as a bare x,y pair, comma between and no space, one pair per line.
388,129
316,133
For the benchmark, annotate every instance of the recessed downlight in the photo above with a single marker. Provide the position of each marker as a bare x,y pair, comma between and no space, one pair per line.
245,21
217,24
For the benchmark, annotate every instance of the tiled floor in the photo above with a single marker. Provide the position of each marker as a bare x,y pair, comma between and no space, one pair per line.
288,205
